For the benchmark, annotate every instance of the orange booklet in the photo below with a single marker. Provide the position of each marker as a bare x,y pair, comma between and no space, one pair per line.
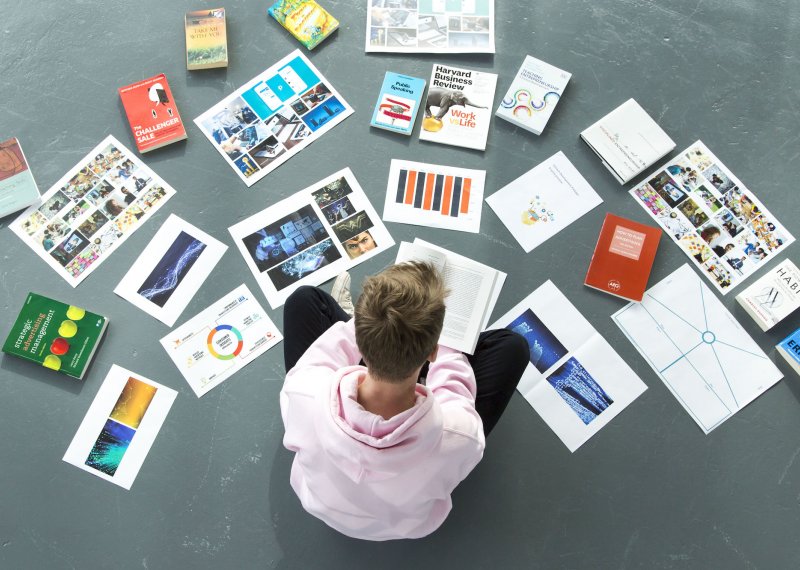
152,113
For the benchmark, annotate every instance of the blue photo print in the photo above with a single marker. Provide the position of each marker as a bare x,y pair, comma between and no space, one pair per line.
110,447
545,348
171,269
579,390
319,116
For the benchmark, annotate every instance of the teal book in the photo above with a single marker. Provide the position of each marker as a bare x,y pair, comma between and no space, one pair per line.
17,187
789,348
55,335
398,103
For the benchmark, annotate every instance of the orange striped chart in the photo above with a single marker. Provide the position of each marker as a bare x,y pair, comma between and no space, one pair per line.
435,196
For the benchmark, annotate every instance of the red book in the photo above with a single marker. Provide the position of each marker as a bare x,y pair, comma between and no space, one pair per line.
623,258
152,113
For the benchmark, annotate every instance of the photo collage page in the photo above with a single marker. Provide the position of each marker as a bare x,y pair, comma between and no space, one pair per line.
715,220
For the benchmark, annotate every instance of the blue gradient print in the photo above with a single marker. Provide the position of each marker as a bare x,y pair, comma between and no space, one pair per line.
545,348
171,269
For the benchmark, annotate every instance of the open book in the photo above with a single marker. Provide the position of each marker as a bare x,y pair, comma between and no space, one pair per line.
474,290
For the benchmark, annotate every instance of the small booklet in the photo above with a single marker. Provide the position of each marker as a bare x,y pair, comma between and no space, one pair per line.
623,258
306,20
458,107
533,95
474,290
18,189
152,113
774,296
206,39
789,348
398,103
55,335
628,141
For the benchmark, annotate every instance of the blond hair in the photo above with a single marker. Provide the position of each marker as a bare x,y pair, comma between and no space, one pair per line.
398,319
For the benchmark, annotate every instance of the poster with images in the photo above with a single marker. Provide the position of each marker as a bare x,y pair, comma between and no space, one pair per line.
170,270
221,340
430,26
434,196
120,427
575,380
273,117
311,237
714,218
92,210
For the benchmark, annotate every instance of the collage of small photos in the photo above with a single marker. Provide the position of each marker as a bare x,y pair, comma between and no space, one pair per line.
431,26
712,216
91,210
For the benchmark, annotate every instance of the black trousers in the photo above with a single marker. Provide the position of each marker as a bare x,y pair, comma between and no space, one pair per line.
499,360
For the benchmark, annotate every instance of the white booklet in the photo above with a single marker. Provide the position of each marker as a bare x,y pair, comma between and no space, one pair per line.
434,196
575,381
543,201
430,26
474,290
705,358
311,236
774,296
170,270
628,141
121,425
221,340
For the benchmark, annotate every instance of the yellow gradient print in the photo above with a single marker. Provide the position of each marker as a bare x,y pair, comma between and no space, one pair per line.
133,402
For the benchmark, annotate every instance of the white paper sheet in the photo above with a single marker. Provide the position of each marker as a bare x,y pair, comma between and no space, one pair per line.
121,425
273,116
543,201
575,380
705,358
221,340
170,270
311,236
434,196
91,210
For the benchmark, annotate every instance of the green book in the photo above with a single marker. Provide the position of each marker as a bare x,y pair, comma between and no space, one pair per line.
56,335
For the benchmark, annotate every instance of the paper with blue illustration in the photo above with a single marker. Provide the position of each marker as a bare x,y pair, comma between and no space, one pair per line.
575,380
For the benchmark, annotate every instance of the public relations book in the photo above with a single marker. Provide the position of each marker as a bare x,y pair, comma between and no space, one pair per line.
306,20
152,113
458,107
789,348
398,103
774,296
623,258
55,335
18,189
206,39
533,95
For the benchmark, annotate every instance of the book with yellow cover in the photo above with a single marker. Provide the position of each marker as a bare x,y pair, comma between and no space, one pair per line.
306,20
206,39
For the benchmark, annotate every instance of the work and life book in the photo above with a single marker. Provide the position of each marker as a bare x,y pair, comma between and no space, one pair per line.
533,95
55,335
398,103
789,348
628,141
773,296
152,113
473,292
458,107
206,39
18,189
623,258
306,20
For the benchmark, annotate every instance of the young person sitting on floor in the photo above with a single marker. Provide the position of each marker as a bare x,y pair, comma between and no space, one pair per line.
378,453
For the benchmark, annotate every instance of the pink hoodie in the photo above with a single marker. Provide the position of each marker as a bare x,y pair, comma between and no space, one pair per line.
368,477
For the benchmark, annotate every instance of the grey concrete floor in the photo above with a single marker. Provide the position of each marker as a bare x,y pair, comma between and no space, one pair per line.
649,491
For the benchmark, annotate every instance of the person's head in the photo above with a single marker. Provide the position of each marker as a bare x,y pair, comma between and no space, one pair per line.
360,244
710,234
398,319
729,247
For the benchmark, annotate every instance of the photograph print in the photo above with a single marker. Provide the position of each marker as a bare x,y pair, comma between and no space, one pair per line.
545,348
332,192
667,189
579,390
303,264
322,114
110,447
696,216
718,179
352,226
338,211
69,248
168,273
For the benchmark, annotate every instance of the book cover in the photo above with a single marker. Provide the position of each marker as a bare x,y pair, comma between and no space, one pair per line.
773,296
789,348
457,108
56,335
306,20
18,189
398,103
623,258
206,39
533,95
628,141
152,113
